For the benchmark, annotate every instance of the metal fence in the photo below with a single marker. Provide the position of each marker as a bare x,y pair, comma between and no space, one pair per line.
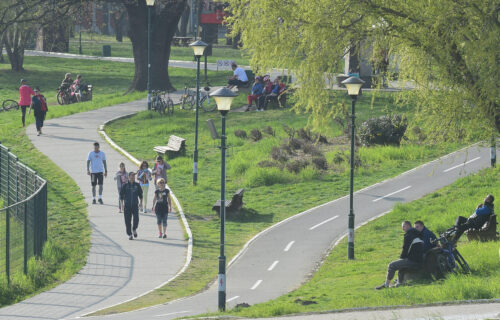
23,215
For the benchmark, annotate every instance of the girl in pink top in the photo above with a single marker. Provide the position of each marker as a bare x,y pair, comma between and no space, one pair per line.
25,93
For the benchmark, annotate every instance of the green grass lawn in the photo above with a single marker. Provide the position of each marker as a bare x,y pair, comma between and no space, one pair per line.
341,283
69,231
92,45
263,185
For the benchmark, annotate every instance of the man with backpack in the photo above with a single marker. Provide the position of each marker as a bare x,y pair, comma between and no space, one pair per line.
39,107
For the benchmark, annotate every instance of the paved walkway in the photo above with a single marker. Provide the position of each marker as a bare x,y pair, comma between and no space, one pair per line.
117,269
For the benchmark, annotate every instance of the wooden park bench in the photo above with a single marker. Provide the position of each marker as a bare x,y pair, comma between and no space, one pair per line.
486,233
182,41
176,145
233,205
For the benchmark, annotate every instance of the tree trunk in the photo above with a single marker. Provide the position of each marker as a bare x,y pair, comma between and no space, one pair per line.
118,20
14,41
184,21
164,24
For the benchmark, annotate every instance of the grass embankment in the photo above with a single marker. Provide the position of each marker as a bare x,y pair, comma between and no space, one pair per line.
69,231
92,45
264,186
341,283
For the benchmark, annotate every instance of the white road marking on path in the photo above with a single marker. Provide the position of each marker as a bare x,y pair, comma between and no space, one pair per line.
390,194
322,223
289,245
256,285
462,164
171,313
233,298
273,265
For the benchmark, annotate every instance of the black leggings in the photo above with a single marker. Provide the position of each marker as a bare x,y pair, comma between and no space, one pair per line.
23,111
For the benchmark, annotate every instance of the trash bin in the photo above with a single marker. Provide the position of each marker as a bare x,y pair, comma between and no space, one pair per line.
106,51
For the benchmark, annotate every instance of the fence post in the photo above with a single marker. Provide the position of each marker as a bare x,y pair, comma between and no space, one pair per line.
25,221
7,225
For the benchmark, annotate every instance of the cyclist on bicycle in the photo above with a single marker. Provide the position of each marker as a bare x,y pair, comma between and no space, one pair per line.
67,81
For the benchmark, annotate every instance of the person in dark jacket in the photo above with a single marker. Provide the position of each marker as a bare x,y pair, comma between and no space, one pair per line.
411,255
131,197
39,107
480,216
428,236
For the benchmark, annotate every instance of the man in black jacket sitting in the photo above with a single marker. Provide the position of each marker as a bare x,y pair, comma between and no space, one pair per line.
411,255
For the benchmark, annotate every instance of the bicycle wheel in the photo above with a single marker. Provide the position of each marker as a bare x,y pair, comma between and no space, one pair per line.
161,106
10,104
170,107
205,104
187,102
461,261
60,98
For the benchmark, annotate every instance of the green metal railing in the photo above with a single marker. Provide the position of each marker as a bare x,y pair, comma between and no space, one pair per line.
23,217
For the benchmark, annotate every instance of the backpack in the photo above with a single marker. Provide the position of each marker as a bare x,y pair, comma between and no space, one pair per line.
43,102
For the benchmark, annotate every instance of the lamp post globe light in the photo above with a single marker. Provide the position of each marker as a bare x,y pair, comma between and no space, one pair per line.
198,49
223,98
150,4
353,85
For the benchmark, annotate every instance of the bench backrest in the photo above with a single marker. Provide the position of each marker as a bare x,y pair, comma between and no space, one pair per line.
492,221
238,197
176,142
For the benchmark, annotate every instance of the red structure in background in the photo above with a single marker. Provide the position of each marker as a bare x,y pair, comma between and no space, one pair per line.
212,12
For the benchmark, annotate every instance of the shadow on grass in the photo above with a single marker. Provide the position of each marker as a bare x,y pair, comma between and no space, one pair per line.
249,215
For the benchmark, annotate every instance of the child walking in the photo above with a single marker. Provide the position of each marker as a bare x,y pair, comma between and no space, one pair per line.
121,178
162,205
160,170
144,176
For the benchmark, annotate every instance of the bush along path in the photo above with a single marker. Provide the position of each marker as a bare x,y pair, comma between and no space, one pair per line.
117,269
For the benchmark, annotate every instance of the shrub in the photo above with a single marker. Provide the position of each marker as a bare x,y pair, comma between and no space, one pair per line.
320,163
311,149
240,134
294,143
268,164
320,138
255,135
285,146
269,130
279,154
296,165
289,131
384,130
338,158
304,134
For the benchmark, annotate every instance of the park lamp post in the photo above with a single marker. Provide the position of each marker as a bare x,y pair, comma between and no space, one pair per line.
150,4
223,98
198,48
353,85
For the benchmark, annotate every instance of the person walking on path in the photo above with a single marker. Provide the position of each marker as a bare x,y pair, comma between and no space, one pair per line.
121,178
97,170
131,198
25,93
162,205
39,107
144,176
160,170
411,255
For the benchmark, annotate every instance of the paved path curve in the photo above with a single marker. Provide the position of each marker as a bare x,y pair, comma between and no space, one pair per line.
117,269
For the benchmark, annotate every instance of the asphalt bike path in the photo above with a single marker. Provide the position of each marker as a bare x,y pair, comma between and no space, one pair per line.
117,268
281,258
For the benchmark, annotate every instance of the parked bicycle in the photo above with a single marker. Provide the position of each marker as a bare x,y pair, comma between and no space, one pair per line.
161,102
188,99
446,258
9,104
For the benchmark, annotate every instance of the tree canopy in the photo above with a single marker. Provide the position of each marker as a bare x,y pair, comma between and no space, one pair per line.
449,49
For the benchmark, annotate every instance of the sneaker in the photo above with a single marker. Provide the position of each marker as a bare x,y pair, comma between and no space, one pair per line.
382,286
159,235
100,201
38,133
396,284
164,236
93,201
130,237
135,233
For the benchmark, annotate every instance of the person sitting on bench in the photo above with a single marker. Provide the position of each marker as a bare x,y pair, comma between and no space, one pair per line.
480,216
411,256
428,236
256,92
239,77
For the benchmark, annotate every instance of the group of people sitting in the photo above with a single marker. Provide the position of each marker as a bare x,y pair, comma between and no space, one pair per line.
74,87
419,240
263,90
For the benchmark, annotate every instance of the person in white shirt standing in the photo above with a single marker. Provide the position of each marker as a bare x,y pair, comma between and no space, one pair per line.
97,170
239,77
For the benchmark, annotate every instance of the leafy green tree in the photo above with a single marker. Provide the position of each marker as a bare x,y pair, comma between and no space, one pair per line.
449,50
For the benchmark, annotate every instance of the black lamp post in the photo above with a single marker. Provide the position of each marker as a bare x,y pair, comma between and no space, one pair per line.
353,85
150,4
198,48
223,98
